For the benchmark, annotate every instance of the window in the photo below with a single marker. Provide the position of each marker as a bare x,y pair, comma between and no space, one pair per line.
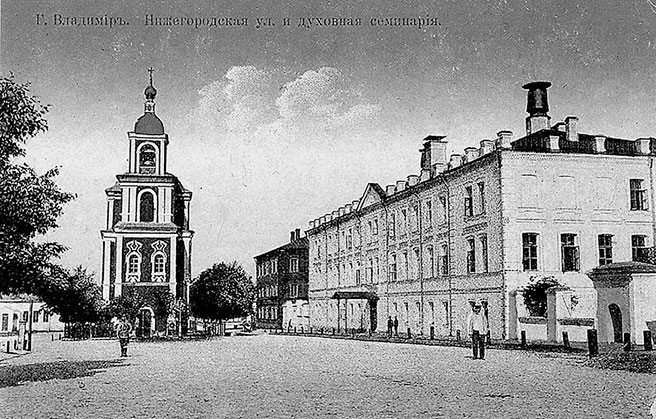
392,226
530,251
133,264
471,255
147,207
159,264
431,262
638,249
35,316
370,270
484,261
26,315
406,266
570,252
469,204
415,220
605,249
416,265
5,322
376,227
444,260
14,322
147,159
318,251
357,276
349,239
429,213
377,266
293,265
404,221
393,267
46,315
443,209
431,307
481,196
638,195
371,231
293,290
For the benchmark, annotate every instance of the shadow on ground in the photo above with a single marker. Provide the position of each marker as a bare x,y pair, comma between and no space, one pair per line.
15,375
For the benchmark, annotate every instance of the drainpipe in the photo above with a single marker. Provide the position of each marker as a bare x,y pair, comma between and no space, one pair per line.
448,245
651,195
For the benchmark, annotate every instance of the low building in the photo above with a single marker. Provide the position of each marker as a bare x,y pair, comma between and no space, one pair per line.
282,281
15,320
481,225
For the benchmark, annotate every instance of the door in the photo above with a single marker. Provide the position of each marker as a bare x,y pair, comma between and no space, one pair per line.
373,314
616,318
145,323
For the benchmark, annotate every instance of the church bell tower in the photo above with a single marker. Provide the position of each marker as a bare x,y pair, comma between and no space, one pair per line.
147,240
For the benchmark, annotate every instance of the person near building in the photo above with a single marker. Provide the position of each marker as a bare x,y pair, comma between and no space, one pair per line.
123,331
390,325
477,328
396,327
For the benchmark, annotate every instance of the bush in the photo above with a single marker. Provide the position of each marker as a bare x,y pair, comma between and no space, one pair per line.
535,294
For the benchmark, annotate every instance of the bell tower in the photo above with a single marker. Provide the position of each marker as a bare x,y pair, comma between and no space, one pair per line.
147,240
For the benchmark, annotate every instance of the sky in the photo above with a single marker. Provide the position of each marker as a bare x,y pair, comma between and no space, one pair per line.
275,126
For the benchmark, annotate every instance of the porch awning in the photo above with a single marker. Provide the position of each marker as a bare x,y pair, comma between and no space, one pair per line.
354,295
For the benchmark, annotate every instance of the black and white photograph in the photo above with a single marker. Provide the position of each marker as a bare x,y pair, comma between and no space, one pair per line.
327,209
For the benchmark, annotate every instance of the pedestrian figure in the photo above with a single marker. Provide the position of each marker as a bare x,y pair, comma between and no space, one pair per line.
396,327
477,328
390,325
123,331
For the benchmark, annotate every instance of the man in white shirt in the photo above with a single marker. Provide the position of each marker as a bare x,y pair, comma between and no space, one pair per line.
477,328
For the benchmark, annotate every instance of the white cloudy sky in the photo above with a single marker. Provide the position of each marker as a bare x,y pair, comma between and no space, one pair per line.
273,127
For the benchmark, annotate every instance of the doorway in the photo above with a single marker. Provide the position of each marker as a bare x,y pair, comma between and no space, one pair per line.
616,318
373,314
144,329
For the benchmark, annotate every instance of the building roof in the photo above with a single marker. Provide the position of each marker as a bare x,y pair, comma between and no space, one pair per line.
149,124
625,268
301,243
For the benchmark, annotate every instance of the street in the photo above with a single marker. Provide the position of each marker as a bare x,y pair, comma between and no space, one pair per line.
301,377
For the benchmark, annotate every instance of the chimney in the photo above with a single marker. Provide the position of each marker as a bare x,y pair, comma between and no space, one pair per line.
298,234
400,185
554,143
355,204
599,144
456,160
311,224
413,180
348,208
504,139
537,106
291,236
572,128
389,190
329,217
643,145
471,153
487,146
425,175
560,126
433,155
337,213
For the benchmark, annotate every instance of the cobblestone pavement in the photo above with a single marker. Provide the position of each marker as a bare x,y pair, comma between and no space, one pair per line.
301,377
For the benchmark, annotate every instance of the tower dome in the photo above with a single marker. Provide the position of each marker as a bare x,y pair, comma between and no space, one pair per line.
149,123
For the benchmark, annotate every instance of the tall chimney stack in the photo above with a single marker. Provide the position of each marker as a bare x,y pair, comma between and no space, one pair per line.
433,155
537,106
298,233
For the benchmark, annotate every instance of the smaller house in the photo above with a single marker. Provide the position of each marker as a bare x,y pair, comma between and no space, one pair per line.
282,285
15,320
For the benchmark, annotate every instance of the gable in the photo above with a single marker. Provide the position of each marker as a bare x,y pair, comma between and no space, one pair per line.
373,194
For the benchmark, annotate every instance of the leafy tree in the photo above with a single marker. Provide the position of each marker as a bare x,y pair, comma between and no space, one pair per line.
74,296
535,294
29,203
222,292
129,304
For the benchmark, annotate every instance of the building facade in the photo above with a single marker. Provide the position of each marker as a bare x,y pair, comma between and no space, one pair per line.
15,321
282,285
147,240
481,225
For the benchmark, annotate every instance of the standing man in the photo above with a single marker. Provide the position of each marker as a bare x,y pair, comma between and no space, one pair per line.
477,328
396,327
123,331
390,325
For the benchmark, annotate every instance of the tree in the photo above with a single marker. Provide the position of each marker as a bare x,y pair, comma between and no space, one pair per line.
222,292
74,296
129,304
535,294
29,203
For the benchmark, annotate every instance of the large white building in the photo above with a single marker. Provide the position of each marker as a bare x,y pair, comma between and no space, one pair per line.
478,226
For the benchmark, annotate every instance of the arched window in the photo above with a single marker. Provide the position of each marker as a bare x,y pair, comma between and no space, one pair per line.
158,266
147,207
147,159
133,264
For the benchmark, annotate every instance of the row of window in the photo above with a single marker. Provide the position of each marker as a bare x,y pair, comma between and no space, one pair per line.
271,266
272,291
267,313
36,318
158,263
570,255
